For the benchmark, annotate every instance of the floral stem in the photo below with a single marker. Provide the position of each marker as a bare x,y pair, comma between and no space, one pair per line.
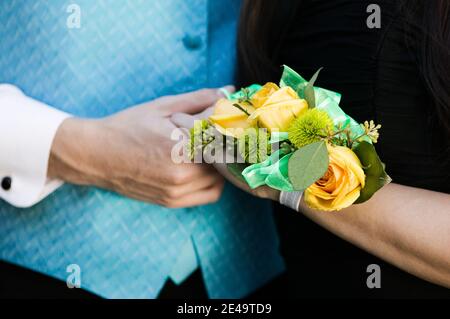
241,108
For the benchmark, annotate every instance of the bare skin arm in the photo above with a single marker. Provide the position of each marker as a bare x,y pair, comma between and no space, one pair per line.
408,227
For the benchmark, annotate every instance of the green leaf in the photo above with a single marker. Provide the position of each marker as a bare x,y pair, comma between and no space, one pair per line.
376,176
236,169
309,94
307,165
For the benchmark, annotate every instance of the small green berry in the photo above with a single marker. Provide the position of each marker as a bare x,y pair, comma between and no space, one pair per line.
254,146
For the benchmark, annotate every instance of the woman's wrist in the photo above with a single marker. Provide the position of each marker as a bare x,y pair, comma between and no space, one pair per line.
291,200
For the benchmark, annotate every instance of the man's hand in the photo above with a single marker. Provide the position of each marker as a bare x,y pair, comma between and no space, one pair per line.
130,153
187,121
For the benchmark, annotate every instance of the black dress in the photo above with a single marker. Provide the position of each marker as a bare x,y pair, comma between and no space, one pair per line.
377,73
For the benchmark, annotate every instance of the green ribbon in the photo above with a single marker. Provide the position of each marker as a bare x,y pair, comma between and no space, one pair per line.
278,137
273,172
251,90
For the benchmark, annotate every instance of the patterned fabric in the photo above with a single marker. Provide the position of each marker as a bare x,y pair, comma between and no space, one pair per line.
127,52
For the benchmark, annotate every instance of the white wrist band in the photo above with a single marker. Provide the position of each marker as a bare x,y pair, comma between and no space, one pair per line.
291,199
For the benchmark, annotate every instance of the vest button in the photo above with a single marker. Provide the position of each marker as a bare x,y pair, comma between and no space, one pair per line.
6,183
192,42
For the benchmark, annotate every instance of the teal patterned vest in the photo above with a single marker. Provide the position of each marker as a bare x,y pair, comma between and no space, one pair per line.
126,52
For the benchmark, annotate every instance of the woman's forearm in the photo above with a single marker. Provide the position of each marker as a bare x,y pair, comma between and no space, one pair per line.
408,227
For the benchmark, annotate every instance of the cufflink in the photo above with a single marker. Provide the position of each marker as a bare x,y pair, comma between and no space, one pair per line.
6,183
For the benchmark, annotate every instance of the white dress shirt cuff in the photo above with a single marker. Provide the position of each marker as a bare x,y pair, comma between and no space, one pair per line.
27,130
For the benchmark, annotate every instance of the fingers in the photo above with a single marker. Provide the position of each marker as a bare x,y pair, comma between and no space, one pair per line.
261,192
194,102
223,170
177,180
182,174
202,197
207,195
226,90
183,120
195,105
205,114
201,182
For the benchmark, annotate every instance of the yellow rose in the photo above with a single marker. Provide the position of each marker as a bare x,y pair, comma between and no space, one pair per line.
276,108
260,97
229,119
341,185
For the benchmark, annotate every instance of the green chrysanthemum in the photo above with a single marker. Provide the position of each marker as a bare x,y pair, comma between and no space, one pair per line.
199,137
313,125
254,146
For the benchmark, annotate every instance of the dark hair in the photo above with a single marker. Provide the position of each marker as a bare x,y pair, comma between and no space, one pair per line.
262,22
434,56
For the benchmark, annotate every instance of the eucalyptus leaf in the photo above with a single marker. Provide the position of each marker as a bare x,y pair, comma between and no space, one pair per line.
374,169
307,165
309,94
236,169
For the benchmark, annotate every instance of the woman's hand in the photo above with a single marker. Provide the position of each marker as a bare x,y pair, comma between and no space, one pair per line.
261,192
